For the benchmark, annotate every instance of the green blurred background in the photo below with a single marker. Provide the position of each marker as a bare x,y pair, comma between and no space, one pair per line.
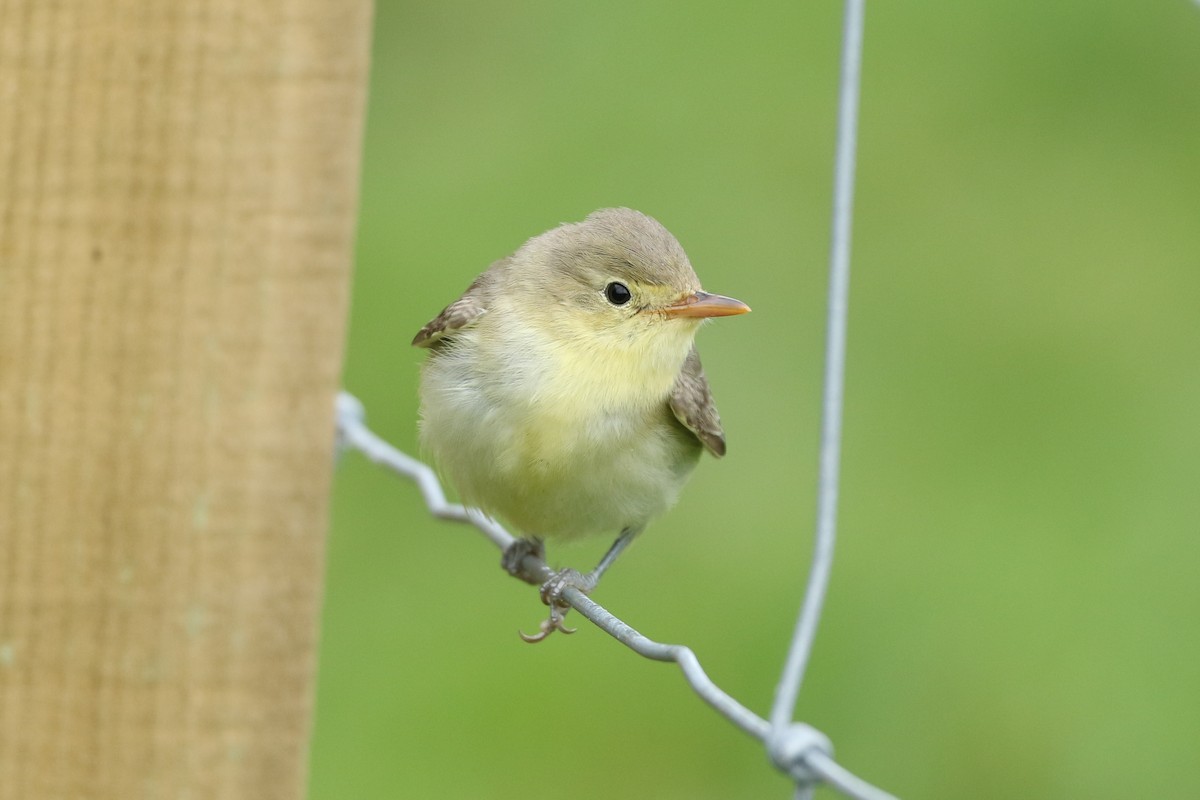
1015,608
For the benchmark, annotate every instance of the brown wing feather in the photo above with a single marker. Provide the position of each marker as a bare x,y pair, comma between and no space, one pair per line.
455,316
692,402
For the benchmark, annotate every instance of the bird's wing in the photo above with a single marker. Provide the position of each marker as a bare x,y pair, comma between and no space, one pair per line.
692,402
459,314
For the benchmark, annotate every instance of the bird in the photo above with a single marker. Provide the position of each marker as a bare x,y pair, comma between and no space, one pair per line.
563,392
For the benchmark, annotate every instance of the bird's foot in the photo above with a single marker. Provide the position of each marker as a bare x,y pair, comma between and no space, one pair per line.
551,593
562,580
514,558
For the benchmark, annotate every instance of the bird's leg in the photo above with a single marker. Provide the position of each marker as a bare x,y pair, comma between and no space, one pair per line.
617,548
552,589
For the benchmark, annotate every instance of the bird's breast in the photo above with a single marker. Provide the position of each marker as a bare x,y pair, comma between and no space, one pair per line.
560,440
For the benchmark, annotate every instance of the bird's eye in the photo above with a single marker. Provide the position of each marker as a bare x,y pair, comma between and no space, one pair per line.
617,293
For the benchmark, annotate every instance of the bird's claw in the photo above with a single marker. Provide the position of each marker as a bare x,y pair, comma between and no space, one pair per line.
551,594
558,615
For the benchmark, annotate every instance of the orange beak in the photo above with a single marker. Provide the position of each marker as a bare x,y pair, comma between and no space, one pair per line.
703,304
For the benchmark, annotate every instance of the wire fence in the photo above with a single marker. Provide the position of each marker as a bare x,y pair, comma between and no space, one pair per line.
783,709
798,749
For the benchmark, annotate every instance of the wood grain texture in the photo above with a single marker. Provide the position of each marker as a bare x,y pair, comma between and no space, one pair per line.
178,184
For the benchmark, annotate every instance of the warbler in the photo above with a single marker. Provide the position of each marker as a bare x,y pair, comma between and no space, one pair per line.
563,391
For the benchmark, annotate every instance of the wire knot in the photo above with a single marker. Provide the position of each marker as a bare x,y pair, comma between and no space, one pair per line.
790,748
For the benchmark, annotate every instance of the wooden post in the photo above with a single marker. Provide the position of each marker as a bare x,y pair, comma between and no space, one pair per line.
178,183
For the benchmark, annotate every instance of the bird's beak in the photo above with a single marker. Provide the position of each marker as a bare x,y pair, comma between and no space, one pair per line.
703,304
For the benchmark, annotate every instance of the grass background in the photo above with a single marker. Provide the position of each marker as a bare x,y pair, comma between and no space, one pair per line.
1015,608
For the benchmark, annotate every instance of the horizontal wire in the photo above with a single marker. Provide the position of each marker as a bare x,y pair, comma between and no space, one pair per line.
808,758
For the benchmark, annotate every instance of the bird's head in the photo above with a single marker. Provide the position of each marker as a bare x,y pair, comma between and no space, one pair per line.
617,280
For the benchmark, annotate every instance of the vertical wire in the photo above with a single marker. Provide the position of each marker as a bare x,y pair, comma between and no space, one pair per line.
835,369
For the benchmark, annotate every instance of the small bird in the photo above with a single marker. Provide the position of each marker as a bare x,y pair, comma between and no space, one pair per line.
563,392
